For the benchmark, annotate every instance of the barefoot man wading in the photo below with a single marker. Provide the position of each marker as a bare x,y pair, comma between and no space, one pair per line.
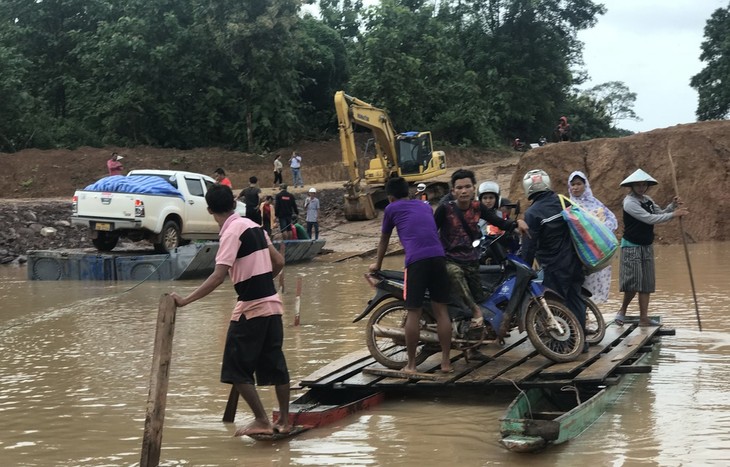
255,333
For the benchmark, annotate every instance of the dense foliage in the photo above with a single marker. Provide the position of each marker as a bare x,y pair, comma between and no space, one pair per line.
258,75
713,82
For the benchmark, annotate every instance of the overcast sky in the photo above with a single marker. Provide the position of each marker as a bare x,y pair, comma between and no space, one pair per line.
653,46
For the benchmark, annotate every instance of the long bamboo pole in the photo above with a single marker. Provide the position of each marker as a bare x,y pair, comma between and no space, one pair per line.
684,242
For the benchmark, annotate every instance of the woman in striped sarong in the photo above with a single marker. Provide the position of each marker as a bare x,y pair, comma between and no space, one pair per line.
636,273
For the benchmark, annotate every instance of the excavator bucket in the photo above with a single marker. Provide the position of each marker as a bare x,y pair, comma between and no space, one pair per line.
359,207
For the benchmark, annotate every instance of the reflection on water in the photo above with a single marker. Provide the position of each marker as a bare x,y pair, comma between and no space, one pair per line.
76,359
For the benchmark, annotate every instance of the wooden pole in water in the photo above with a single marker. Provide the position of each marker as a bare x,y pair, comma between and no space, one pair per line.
684,241
159,377
297,301
230,413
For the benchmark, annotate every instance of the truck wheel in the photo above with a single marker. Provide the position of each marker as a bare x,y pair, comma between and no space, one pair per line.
105,241
169,237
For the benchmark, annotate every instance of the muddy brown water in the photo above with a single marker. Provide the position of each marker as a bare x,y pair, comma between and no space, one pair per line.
76,359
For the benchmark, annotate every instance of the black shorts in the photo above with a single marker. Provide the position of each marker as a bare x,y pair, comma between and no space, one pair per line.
426,274
254,214
285,224
253,346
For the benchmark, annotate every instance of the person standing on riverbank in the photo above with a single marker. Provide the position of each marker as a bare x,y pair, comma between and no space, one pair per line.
253,350
295,162
278,167
114,166
220,176
285,207
311,204
250,197
425,267
636,273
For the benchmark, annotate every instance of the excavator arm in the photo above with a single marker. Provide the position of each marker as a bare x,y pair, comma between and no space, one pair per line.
351,110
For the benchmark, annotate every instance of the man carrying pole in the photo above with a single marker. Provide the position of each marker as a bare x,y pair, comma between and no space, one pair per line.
253,350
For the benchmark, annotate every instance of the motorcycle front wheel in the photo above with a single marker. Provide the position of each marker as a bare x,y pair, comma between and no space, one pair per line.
558,347
390,351
595,324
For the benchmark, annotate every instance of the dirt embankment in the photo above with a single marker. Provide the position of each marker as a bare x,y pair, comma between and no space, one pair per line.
38,184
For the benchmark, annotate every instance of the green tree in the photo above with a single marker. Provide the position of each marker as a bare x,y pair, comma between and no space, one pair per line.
257,38
523,51
713,82
616,100
323,69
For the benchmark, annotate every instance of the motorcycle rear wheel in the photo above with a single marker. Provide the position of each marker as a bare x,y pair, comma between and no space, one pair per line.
388,351
559,348
595,324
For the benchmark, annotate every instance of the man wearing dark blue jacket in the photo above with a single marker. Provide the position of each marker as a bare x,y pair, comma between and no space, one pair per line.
550,242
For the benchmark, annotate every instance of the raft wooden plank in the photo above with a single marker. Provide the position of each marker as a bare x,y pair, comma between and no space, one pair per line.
487,372
562,370
427,368
462,367
397,376
523,371
344,373
363,379
625,349
345,361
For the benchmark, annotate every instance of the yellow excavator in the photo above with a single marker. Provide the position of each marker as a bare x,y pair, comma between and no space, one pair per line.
408,155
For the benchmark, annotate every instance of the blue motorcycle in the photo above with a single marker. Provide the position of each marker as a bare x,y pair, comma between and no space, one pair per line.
516,300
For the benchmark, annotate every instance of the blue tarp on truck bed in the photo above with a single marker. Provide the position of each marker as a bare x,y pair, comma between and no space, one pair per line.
137,184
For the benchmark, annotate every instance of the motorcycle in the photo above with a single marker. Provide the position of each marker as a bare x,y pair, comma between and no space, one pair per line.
515,299
595,325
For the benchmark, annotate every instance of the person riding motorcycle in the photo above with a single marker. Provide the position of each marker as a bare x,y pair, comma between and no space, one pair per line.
550,242
489,196
457,222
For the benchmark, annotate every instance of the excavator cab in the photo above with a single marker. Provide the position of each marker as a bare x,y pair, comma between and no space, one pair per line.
414,152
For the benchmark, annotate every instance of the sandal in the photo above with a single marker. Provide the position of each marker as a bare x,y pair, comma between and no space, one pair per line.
619,319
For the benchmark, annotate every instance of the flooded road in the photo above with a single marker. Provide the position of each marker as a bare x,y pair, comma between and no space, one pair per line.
76,359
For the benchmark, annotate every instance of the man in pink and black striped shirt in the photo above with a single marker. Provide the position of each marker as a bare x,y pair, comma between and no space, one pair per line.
253,352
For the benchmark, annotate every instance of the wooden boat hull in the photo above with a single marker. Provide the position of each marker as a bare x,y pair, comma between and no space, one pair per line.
542,416
296,251
319,407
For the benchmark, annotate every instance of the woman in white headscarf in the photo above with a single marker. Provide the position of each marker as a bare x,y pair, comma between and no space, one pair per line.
598,283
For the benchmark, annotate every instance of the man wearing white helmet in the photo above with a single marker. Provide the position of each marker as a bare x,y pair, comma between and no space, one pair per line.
549,241
421,192
636,273
311,204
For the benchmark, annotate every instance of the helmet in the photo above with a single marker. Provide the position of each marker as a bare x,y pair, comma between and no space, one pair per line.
312,190
420,187
535,181
639,176
488,187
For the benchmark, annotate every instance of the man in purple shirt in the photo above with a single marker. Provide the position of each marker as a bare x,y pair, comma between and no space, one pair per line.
425,266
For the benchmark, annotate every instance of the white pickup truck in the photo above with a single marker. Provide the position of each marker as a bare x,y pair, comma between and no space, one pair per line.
140,207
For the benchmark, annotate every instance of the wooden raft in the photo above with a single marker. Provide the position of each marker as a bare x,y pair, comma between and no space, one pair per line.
515,363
